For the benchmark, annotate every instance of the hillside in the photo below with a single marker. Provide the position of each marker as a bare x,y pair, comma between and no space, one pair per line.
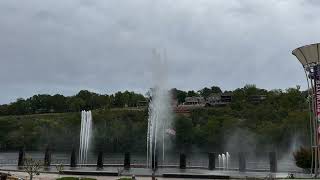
271,124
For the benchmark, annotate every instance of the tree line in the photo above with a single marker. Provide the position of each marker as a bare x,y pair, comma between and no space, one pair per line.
84,100
272,124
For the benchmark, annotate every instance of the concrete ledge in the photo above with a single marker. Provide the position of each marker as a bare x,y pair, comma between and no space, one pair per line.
93,173
197,176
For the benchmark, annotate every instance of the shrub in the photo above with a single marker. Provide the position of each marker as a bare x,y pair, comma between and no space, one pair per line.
74,178
68,178
32,167
303,158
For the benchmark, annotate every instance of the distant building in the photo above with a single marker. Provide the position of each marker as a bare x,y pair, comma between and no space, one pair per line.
191,103
226,97
257,98
194,102
219,99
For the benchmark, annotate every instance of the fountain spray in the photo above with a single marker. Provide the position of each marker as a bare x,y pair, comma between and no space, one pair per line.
159,112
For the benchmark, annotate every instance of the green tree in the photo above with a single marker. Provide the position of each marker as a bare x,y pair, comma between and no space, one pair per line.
179,95
205,92
216,89
184,134
32,167
192,93
119,99
76,104
213,132
59,103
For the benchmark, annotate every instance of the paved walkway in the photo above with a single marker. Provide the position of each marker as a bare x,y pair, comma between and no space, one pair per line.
46,176
232,174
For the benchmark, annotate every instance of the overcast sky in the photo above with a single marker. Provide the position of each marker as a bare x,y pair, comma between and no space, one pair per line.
59,46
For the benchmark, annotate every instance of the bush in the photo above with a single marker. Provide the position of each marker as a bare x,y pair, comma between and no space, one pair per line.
68,178
32,167
74,178
303,158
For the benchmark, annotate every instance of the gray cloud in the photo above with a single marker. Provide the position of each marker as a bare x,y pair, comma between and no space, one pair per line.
64,46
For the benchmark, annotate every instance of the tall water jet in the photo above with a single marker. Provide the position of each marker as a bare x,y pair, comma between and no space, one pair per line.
223,161
227,160
85,136
220,160
159,112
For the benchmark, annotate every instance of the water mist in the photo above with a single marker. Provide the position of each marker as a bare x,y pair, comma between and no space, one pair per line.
85,136
159,120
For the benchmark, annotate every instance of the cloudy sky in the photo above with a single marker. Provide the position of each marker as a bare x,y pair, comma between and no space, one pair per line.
56,46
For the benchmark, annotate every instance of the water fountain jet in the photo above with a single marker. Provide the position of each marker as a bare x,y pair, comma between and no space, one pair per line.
85,136
159,113
223,156
220,160
227,160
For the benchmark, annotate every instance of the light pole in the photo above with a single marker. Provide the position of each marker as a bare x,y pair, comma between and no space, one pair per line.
309,57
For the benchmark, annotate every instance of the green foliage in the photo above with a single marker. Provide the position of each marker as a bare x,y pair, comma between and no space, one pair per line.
32,167
213,131
179,95
74,178
44,103
272,122
206,92
303,158
127,98
59,168
68,178
192,93
119,130
215,89
184,134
